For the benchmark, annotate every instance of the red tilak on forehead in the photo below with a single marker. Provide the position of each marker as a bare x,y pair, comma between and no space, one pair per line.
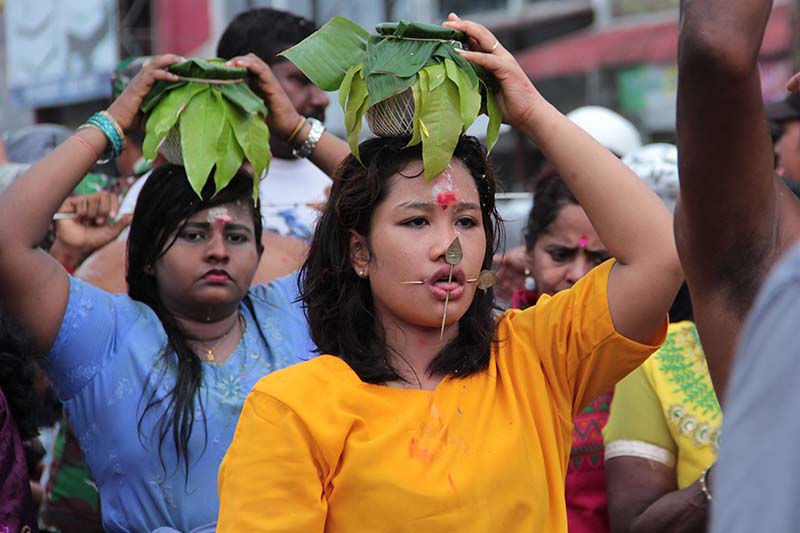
219,217
444,199
583,241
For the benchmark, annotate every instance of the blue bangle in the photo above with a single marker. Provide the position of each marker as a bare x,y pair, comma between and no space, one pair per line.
116,142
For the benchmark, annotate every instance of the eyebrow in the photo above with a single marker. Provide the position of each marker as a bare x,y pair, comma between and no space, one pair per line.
589,251
461,206
207,225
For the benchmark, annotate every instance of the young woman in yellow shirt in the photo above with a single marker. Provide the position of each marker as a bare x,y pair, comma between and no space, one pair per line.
407,426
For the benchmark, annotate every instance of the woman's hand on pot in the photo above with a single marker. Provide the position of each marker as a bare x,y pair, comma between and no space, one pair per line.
282,118
518,98
125,108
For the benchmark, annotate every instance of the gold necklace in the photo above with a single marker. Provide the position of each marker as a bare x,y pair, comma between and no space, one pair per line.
209,356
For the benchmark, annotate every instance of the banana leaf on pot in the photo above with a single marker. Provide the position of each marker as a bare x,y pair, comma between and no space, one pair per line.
407,79
210,119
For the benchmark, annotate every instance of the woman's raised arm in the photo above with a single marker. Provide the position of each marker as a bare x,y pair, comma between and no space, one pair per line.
632,222
33,285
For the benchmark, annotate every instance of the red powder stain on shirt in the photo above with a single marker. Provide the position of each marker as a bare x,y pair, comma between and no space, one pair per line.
452,484
444,199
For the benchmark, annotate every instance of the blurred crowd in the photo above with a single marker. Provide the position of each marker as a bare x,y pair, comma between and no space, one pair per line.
138,318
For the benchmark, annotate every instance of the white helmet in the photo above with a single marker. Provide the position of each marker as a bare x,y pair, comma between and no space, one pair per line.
610,129
657,165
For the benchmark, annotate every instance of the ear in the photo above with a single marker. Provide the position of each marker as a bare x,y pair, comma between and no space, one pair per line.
359,254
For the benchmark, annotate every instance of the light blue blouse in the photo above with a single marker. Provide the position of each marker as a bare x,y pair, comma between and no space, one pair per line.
106,360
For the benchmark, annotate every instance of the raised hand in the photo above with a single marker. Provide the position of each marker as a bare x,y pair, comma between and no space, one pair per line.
282,118
518,97
93,225
126,108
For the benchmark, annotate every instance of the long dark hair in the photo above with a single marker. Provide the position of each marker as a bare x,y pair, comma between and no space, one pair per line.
339,304
550,194
162,209
17,377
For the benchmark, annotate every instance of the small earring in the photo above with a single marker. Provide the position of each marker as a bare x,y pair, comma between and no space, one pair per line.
361,273
530,283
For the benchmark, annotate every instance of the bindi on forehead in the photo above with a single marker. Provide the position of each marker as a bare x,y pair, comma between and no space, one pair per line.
219,216
583,241
444,189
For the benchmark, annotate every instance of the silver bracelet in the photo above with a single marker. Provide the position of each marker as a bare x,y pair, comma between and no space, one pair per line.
704,485
311,141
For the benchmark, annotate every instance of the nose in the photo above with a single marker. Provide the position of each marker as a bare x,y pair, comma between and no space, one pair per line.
441,241
217,249
578,268
319,98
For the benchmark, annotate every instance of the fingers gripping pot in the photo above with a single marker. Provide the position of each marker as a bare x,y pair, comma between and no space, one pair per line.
408,80
210,119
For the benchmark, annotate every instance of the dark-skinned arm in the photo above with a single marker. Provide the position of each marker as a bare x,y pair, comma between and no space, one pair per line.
732,215
643,498
283,118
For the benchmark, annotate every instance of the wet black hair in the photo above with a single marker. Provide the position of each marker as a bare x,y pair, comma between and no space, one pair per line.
339,304
265,32
551,193
164,205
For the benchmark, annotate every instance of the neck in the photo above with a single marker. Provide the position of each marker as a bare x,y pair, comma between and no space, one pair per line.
205,331
413,349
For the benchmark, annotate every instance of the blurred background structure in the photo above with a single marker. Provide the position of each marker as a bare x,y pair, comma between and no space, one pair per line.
56,56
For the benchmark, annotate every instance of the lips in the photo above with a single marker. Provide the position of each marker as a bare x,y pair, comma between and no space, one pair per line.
217,276
439,285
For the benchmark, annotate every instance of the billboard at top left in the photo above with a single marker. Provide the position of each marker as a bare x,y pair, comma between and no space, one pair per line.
59,52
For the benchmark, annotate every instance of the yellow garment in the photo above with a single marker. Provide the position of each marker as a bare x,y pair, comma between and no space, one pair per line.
669,402
317,449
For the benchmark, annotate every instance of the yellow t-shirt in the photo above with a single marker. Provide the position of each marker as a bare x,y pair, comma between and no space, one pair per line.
666,410
316,449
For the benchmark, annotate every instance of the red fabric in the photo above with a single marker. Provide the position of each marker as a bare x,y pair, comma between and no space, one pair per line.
655,43
182,27
523,299
587,503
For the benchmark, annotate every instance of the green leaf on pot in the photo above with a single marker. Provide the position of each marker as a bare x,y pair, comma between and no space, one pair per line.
469,95
416,136
344,88
382,86
166,115
253,137
398,58
208,69
327,54
244,98
409,29
436,76
229,153
200,127
495,118
159,91
354,110
442,117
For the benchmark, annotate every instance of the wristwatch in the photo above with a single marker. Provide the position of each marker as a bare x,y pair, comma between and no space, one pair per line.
311,141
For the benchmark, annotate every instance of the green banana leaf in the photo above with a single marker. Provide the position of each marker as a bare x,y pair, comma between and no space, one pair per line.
213,69
448,91
241,95
408,29
200,127
495,118
229,153
253,137
442,118
327,54
469,95
165,116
